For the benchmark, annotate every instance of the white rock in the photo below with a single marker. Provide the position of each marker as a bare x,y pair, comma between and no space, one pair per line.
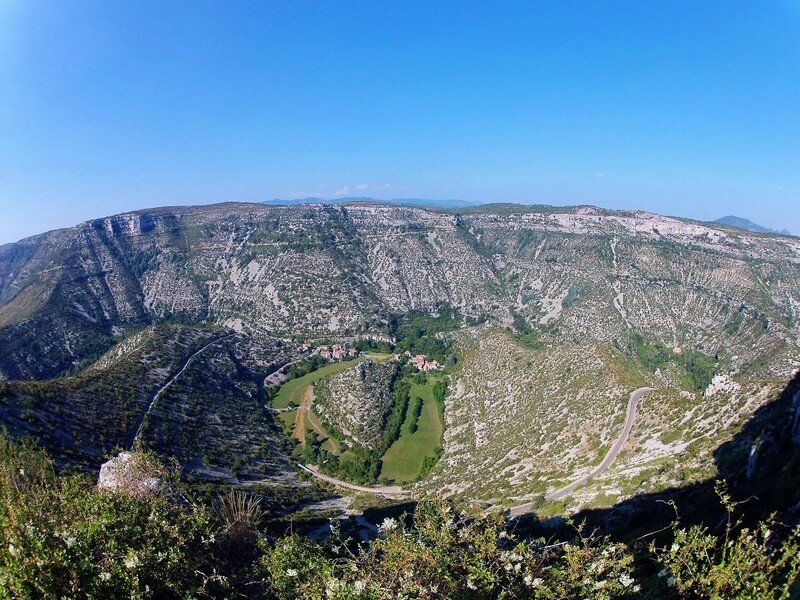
129,473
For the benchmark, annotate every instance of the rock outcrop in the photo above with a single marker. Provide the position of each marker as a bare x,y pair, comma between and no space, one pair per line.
578,274
132,474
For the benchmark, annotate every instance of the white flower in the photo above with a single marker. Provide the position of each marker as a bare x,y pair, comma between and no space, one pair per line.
22,471
471,585
13,550
360,585
105,576
537,581
599,585
528,580
388,525
70,541
637,588
332,586
675,547
625,580
131,562
291,572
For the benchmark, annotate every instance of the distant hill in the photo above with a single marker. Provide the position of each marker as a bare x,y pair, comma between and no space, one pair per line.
748,225
447,203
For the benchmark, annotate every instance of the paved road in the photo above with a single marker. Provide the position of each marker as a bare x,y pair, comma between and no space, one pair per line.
633,403
389,491
169,383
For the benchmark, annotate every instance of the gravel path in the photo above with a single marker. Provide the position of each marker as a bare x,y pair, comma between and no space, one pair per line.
388,491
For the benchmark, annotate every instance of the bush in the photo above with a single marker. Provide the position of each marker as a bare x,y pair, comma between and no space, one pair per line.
447,554
416,413
59,537
743,563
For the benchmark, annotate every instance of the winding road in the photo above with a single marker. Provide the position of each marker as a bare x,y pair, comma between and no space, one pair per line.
388,491
611,455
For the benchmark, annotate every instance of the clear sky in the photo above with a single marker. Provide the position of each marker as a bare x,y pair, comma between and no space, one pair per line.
686,108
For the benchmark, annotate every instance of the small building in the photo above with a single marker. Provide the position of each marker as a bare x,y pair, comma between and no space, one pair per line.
418,361
431,365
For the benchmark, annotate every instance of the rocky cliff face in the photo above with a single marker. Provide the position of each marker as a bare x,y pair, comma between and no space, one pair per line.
603,302
573,274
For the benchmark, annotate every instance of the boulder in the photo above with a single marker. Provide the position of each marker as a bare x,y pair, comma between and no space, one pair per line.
131,473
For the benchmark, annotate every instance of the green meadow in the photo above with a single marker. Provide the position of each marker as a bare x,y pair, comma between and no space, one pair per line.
291,392
403,460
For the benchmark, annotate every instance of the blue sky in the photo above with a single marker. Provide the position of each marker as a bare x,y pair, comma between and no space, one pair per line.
686,108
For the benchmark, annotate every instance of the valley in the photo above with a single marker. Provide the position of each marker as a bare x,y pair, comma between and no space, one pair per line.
200,332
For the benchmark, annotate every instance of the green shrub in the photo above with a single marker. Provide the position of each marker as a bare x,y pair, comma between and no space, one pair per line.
416,412
743,563
447,554
60,537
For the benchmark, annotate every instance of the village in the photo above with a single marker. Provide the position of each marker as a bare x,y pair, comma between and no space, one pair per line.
338,352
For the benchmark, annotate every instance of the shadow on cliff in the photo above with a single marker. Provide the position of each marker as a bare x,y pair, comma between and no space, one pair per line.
760,467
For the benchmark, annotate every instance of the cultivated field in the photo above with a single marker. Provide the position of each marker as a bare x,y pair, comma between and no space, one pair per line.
402,463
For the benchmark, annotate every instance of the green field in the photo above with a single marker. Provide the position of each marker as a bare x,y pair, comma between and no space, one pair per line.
292,391
378,356
287,419
403,460
314,424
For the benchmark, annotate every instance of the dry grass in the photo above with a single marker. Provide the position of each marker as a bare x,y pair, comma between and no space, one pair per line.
243,514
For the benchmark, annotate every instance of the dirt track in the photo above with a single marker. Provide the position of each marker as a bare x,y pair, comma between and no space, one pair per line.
388,491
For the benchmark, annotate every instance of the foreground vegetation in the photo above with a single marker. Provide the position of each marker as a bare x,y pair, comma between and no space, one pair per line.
60,537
